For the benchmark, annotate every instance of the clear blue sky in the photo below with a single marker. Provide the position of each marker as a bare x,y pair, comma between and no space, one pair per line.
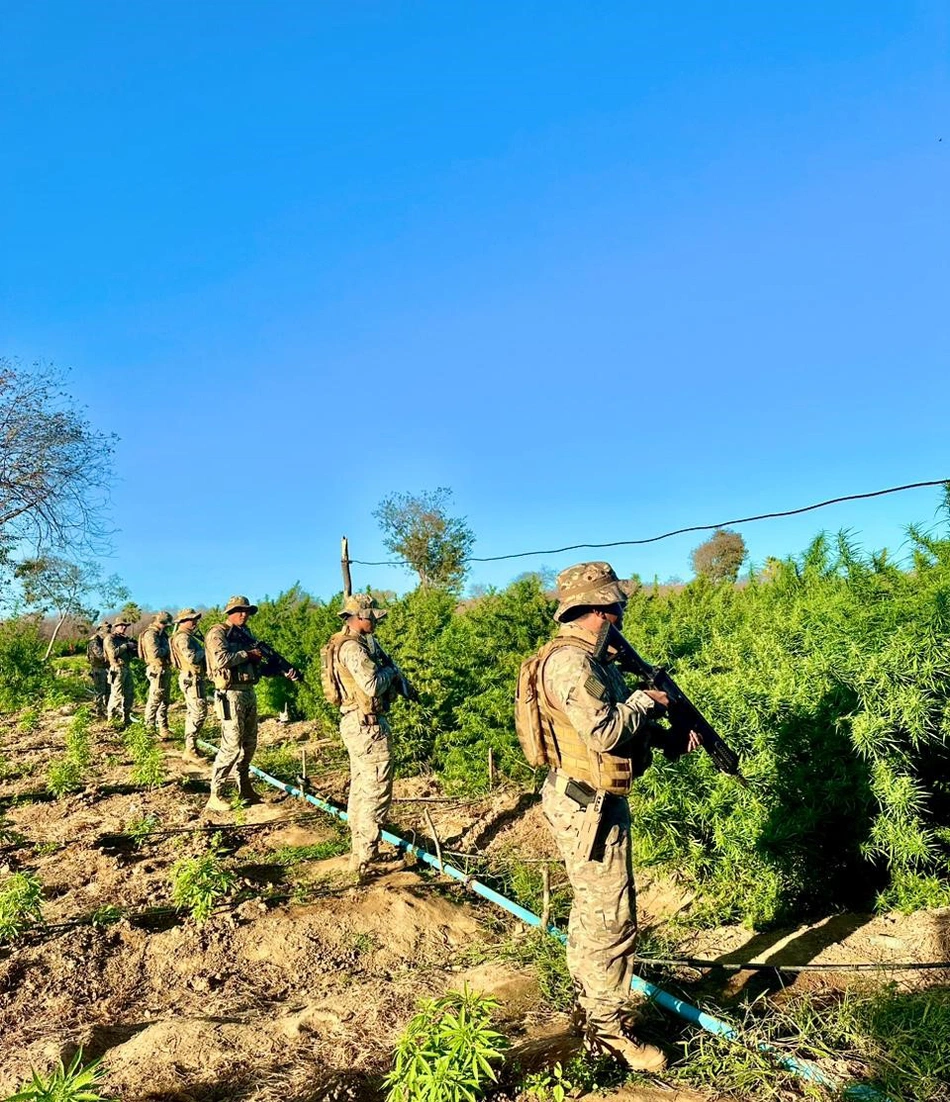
604,270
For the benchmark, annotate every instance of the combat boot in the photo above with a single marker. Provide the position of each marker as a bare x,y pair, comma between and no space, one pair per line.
216,802
191,754
637,1055
165,734
247,793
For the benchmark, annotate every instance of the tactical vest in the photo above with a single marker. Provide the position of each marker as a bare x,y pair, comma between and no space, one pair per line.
154,647
563,746
336,674
180,655
243,676
96,653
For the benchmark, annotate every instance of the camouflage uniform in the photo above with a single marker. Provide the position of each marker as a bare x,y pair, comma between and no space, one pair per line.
609,725
369,681
188,656
155,653
120,650
99,668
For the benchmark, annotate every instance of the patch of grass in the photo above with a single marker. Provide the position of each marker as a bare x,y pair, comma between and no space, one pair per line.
76,1083
445,1053
21,900
199,883
29,721
536,950
582,1074
319,851
281,760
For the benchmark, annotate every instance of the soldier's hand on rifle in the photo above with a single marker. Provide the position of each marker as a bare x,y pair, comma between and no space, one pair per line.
292,674
255,655
658,697
694,742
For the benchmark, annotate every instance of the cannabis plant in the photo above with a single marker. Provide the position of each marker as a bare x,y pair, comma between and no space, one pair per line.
198,883
446,1052
73,1084
21,898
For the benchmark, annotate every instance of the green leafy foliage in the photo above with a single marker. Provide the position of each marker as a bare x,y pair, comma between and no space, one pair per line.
446,1052
199,883
140,828
63,777
148,761
24,677
76,1083
21,899
66,774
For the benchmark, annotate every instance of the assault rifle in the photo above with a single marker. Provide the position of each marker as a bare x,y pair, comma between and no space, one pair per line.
683,713
273,664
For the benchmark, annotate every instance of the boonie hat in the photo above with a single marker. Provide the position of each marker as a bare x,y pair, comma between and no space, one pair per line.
187,614
239,604
364,606
122,622
163,618
588,583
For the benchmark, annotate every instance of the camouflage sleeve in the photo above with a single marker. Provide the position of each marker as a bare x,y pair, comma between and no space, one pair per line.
577,687
371,679
108,645
221,656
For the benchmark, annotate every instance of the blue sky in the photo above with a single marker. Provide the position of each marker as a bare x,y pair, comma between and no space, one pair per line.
604,270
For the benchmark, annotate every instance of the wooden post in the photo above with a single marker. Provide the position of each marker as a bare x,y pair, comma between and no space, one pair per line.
546,897
345,565
303,765
435,839
491,767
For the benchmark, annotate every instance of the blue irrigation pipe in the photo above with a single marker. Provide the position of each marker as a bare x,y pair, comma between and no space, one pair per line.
859,1092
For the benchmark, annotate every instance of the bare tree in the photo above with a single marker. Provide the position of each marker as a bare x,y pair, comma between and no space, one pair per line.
418,528
66,588
720,557
54,467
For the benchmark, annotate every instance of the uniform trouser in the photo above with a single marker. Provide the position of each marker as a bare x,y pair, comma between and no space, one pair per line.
156,707
121,693
371,781
99,676
237,711
196,706
602,930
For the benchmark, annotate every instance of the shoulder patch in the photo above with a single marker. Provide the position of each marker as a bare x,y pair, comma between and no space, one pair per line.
595,687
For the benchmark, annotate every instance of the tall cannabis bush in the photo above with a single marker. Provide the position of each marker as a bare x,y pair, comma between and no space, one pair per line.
24,677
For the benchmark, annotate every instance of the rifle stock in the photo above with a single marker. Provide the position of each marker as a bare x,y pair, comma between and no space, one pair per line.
683,713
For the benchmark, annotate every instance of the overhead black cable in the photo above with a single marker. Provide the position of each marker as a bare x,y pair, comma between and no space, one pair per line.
676,531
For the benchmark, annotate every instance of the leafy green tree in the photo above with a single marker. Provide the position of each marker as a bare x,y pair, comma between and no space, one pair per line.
418,528
52,584
720,557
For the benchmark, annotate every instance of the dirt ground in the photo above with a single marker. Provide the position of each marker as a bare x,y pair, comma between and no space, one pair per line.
298,986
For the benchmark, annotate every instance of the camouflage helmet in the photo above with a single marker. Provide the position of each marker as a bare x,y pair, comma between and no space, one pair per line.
239,604
187,614
362,605
162,618
588,583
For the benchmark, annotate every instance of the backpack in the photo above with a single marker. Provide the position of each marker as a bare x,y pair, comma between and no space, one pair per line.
528,721
332,689
96,651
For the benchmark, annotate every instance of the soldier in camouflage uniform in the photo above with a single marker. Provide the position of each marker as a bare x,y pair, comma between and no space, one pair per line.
99,668
601,735
234,667
120,650
155,653
369,681
188,657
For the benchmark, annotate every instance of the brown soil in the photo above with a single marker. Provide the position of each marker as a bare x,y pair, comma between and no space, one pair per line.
298,986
